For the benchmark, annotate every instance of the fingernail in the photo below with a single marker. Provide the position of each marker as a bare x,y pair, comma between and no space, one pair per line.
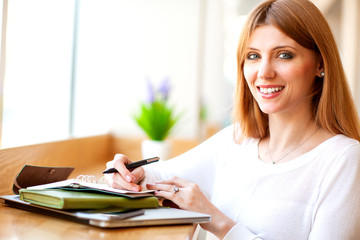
135,189
128,178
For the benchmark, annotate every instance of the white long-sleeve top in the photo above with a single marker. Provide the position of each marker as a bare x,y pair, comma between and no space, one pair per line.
315,196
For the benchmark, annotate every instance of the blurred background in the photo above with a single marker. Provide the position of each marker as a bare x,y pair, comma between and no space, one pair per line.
77,68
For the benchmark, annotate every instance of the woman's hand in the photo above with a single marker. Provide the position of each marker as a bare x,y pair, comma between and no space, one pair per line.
188,196
124,178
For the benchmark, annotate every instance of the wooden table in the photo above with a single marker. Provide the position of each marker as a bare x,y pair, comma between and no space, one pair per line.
19,224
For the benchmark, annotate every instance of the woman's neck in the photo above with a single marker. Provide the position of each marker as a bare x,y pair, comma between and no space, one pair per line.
289,136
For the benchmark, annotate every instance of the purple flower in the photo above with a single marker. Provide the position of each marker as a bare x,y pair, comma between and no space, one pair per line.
164,88
150,92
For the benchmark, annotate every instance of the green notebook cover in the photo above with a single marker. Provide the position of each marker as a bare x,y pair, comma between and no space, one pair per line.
63,199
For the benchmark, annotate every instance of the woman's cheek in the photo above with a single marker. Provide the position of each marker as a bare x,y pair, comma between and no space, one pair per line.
250,76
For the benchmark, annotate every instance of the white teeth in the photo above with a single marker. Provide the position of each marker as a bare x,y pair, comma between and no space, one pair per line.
271,90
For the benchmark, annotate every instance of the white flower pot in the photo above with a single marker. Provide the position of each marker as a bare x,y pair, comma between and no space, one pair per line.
152,148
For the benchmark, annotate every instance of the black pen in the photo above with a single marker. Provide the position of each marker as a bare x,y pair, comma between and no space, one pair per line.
134,164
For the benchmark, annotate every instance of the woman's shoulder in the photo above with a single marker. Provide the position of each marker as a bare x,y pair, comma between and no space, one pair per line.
227,135
223,137
341,145
342,141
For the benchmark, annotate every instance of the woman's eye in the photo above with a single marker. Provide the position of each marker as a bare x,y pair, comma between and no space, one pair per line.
252,56
286,55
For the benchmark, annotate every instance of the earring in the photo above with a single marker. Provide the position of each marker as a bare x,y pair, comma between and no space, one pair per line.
322,74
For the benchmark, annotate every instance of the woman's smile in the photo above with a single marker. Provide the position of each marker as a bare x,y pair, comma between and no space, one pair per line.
270,91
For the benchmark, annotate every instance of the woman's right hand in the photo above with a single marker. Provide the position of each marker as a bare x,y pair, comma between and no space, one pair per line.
124,178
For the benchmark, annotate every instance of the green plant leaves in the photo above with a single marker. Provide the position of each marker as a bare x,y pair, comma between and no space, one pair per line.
156,119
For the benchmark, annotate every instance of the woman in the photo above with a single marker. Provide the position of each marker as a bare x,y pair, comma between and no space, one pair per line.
289,167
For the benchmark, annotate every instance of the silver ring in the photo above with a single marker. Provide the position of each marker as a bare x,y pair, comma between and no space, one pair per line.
176,189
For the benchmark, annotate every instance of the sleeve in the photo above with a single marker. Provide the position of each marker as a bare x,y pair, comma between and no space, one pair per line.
197,165
337,209
240,232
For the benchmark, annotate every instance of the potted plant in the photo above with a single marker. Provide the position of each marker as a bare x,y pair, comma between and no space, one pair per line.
156,118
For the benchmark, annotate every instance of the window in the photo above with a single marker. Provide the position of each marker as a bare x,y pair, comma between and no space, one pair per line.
78,68
38,71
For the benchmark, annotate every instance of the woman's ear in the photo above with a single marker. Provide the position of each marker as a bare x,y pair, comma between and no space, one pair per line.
320,73
320,69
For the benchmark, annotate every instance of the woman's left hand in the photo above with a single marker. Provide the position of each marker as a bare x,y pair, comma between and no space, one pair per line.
188,196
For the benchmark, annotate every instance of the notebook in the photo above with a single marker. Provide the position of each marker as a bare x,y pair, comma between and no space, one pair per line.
39,177
150,217
89,183
64,199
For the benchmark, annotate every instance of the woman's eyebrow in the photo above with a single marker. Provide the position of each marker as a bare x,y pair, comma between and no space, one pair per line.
283,46
252,48
275,48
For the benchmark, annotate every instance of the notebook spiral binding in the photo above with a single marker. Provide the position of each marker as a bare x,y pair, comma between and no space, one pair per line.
90,179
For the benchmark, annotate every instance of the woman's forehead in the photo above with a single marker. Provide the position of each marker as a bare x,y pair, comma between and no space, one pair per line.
269,36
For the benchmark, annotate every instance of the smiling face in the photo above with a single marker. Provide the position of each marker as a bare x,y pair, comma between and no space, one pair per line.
279,71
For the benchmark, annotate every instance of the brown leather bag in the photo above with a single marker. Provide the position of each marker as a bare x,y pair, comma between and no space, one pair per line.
36,175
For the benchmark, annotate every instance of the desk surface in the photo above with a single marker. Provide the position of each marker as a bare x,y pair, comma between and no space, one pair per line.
20,224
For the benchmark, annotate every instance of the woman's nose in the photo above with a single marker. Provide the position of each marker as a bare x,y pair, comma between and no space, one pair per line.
266,70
